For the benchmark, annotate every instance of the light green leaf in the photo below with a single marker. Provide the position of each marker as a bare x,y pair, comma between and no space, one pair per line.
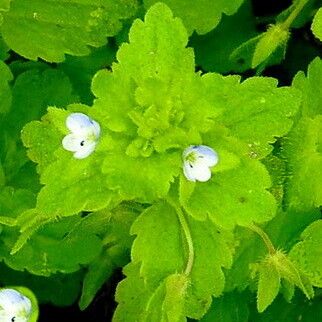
268,286
49,30
163,256
317,24
256,110
56,247
276,36
233,197
164,107
307,254
200,15
271,270
310,85
303,149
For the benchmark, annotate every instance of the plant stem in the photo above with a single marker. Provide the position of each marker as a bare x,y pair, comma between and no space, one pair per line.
287,23
186,230
269,245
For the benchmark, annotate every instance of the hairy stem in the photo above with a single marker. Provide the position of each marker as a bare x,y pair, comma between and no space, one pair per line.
186,230
287,23
269,245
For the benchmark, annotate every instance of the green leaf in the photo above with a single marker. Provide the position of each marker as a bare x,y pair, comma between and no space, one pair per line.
256,110
199,15
158,112
276,36
303,149
5,92
307,253
271,270
268,286
303,145
232,197
15,201
166,255
33,91
56,247
59,27
309,85
317,24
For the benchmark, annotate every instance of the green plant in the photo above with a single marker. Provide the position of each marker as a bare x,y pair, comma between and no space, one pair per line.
94,181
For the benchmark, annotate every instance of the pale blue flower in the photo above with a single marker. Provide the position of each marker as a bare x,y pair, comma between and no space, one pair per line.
14,306
197,161
84,135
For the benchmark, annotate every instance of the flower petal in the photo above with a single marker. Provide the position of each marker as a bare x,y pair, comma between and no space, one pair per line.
79,123
187,171
206,153
72,142
201,173
85,150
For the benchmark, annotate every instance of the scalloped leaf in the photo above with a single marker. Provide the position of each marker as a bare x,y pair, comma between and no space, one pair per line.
56,28
200,15
161,257
307,253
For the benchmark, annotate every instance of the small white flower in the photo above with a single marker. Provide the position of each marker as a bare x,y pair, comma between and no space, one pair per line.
14,306
84,135
197,160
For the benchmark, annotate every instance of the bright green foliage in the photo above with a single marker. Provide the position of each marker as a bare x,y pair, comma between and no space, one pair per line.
200,15
256,111
307,254
39,256
317,24
304,143
160,258
271,270
158,113
183,244
268,285
35,28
